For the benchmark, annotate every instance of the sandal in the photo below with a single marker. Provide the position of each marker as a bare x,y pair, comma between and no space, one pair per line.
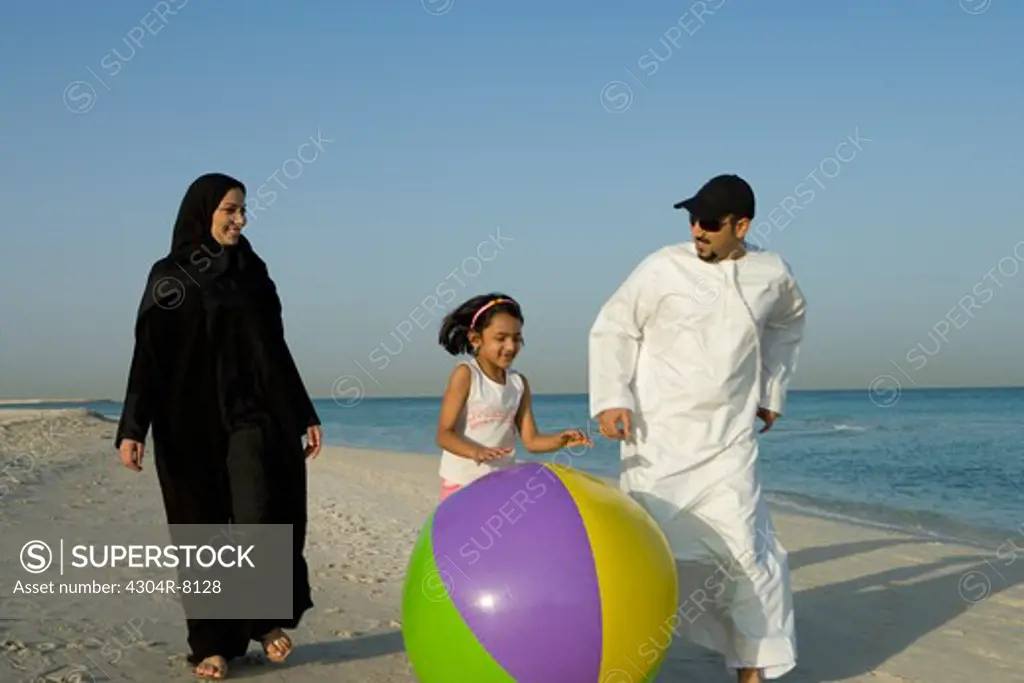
212,668
280,641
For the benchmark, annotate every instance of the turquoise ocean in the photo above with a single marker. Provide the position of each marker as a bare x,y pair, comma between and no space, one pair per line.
947,463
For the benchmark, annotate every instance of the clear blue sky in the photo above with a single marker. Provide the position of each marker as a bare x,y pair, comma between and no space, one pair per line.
440,127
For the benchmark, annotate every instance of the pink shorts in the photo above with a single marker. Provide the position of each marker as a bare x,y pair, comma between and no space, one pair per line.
448,488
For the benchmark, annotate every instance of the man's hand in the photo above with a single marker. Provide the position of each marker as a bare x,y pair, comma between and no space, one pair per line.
768,417
615,423
131,454
313,441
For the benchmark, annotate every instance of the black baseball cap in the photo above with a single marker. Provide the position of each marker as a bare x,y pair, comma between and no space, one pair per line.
719,197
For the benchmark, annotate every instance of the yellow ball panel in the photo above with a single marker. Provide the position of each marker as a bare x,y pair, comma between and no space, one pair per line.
636,576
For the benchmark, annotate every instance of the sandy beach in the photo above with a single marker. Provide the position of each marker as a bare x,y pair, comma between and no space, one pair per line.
871,604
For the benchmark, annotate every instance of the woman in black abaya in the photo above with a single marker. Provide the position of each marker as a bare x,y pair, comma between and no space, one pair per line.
213,378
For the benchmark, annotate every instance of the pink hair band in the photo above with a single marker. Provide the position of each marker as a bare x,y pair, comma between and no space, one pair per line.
492,302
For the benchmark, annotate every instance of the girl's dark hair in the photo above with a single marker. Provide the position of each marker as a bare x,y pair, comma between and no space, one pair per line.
455,329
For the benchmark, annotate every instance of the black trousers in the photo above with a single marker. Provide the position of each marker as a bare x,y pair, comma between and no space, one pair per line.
258,478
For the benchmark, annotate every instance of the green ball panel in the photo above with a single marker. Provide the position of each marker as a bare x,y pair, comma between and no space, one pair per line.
440,646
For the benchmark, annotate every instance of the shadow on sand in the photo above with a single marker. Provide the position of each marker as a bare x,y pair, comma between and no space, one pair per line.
324,653
903,606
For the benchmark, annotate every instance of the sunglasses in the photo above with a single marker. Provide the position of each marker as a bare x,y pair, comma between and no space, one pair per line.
707,224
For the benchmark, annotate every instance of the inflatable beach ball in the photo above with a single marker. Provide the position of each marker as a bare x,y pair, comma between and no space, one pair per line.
539,574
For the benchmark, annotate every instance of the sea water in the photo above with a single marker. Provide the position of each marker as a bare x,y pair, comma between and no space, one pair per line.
942,462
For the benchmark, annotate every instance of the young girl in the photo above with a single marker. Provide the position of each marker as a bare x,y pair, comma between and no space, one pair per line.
486,402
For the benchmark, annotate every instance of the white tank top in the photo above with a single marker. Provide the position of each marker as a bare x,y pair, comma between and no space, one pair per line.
488,419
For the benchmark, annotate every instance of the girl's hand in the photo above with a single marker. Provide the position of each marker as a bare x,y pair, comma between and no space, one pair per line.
485,454
575,437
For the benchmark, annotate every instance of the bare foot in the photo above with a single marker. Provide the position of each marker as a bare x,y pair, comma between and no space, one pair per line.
277,646
748,675
214,667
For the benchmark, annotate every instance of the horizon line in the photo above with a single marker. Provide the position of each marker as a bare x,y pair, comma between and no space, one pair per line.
791,391
4,402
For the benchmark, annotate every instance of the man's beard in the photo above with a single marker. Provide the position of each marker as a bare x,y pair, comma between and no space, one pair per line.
709,256
737,250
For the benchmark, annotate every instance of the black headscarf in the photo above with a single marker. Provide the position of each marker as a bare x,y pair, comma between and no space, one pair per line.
223,276
195,215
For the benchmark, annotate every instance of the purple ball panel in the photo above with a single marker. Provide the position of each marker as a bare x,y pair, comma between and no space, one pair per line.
516,556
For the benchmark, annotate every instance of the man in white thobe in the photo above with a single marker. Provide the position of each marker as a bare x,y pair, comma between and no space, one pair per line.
701,339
